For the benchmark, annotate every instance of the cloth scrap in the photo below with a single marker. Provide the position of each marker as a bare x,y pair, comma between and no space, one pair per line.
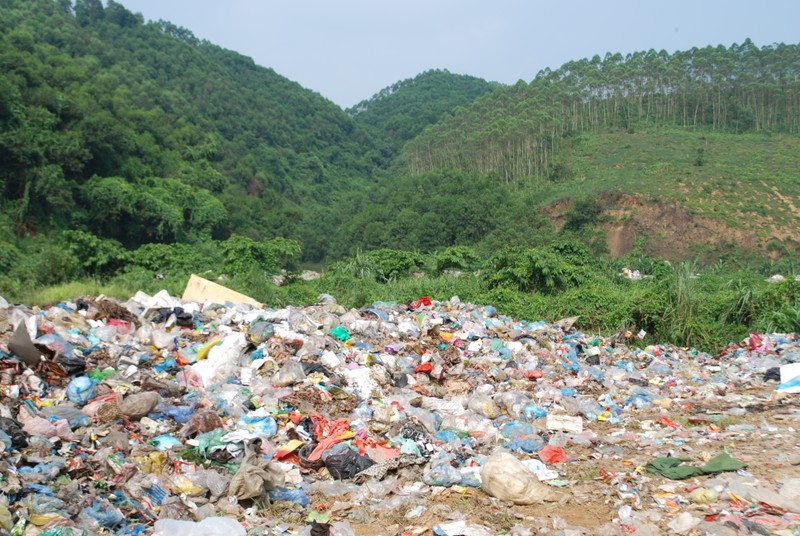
673,469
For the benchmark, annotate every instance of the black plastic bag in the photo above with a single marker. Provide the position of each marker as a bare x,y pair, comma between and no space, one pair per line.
74,366
347,465
13,429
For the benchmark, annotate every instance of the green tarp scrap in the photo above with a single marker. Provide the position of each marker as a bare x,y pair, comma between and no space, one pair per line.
672,468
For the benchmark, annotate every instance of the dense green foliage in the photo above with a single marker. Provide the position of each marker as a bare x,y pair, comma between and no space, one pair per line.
142,133
401,111
684,303
134,154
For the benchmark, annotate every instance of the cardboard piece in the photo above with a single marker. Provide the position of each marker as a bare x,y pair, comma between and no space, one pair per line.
565,423
567,323
22,346
202,290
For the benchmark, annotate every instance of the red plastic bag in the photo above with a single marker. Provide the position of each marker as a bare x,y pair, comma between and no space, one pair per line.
551,454
423,301
755,341
424,367
663,421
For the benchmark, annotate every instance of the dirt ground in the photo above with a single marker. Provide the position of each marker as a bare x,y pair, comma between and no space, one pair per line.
765,438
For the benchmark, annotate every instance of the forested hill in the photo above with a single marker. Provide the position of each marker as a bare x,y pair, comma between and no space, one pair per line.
143,133
126,134
398,113
516,131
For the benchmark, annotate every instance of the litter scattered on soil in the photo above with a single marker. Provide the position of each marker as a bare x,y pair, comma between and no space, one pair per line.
162,415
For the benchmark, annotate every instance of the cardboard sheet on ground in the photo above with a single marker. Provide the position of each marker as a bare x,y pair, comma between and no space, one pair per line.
22,346
202,290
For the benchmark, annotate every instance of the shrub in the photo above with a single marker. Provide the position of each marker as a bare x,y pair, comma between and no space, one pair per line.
242,254
528,269
96,256
456,258
391,264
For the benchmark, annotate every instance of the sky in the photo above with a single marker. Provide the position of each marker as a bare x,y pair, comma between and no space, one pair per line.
348,50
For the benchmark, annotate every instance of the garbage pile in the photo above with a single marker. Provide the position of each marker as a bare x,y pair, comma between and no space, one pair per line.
160,415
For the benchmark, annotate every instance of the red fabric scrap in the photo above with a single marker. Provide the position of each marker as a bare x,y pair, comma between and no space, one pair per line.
336,429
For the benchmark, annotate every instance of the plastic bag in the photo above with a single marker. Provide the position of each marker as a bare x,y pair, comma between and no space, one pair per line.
201,422
515,429
72,365
291,373
255,475
74,416
14,431
292,494
210,526
6,521
483,405
503,476
80,390
260,332
222,359
442,475
346,465
103,515
551,454
138,405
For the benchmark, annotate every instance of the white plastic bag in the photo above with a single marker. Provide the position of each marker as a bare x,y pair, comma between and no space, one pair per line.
503,476
210,526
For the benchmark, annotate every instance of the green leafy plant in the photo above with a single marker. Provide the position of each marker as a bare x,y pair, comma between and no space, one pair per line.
242,254
460,258
96,256
528,269
393,264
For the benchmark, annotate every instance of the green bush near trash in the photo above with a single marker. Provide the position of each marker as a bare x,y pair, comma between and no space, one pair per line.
683,303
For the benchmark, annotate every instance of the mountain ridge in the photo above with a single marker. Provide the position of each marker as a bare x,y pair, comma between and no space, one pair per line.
140,133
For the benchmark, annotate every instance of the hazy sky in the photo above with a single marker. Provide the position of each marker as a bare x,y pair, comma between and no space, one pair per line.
348,50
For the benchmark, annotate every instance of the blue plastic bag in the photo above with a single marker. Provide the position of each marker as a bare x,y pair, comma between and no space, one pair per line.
80,390
291,493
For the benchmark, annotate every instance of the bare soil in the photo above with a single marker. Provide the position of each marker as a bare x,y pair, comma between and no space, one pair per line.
765,438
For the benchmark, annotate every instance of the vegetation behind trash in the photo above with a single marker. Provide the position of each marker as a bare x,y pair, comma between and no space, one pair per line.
133,154
683,303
